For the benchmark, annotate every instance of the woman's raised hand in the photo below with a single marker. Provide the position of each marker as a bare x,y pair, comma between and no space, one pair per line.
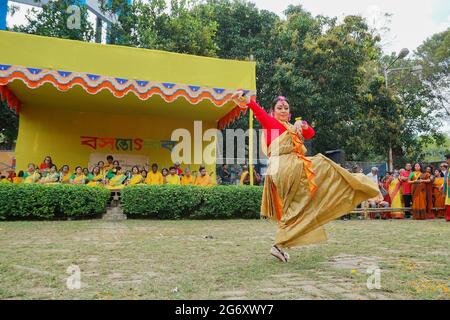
240,99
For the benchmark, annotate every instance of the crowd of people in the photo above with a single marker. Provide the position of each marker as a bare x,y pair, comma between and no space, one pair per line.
108,174
417,187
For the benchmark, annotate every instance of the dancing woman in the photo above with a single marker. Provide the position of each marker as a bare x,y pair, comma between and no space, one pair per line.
301,193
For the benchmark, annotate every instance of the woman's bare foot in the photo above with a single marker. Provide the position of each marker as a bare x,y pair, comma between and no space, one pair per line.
280,255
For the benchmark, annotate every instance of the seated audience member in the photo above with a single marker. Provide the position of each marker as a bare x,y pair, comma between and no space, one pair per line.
173,177
378,202
19,177
86,172
144,174
117,181
78,177
224,175
95,178
32,175
154,176
164,173
136,177
4,179
51,177
187,179
101,167
45,166
204,179
64,175
244,174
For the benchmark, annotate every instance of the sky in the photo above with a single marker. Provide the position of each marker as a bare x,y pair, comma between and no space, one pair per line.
412,21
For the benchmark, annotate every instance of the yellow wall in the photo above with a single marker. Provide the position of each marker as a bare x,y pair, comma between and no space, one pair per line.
57,134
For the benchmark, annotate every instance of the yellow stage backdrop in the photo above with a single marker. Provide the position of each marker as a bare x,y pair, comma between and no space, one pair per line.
70,124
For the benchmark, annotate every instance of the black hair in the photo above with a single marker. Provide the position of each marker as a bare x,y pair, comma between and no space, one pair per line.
20,174
276,99
110,157
172,167
154,165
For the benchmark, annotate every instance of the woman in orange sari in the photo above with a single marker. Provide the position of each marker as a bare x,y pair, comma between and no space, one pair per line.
421,192
301,193
438,194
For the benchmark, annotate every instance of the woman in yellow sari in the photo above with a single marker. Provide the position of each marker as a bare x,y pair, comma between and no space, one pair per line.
95,178
136,177
116,182
395,195
301,193
64,175
78,177
32,175
438,194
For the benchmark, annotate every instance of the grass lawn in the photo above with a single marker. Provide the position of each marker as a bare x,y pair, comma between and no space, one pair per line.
148,259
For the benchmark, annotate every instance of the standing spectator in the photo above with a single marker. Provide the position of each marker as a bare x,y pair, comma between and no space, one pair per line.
419,192
109,165
438,193
355,169
429,190
406,188
395,194
447,190
373,174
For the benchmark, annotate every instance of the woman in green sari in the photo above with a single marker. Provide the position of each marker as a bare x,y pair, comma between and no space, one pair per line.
95,178
32,175
78,177
116,182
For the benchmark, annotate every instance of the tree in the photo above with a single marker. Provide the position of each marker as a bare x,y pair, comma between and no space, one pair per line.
52,21
9,125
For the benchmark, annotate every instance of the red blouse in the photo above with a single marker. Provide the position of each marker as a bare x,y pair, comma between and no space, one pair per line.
273,128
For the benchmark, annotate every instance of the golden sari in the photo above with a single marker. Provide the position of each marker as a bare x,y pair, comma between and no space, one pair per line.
395,194
303,193
31,177
96,180
243,176
136,179
116,182
78,179
65,178
439,196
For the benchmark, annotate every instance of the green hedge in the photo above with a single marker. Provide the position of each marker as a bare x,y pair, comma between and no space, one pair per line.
34,201
176,202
